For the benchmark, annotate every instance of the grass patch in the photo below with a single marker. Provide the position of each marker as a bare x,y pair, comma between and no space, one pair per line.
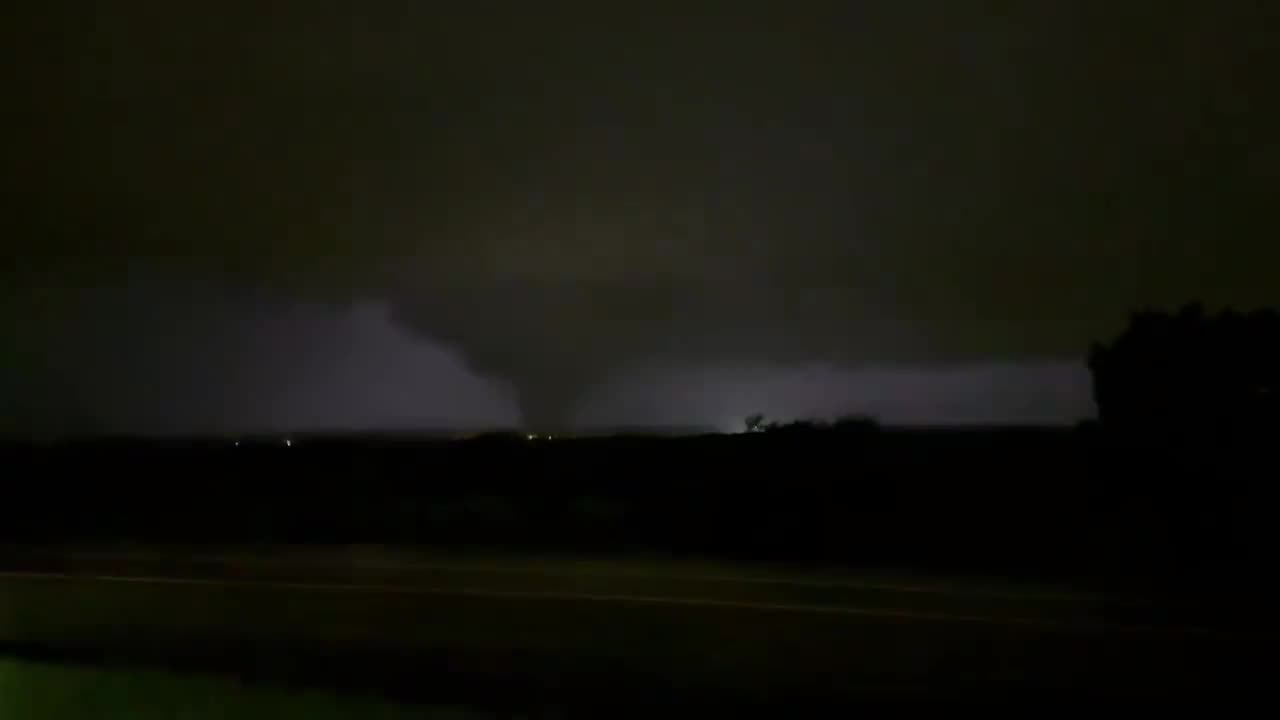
39,691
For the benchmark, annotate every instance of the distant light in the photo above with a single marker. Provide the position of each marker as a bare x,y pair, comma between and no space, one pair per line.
288,443
532,437
237,443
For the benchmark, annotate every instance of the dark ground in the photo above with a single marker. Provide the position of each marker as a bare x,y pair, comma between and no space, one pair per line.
833,566
483,632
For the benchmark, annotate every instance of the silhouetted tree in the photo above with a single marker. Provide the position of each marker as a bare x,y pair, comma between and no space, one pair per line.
754,422
796,426
1190,370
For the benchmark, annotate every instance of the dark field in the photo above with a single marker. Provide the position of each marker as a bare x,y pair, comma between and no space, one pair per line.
619,574
1049,505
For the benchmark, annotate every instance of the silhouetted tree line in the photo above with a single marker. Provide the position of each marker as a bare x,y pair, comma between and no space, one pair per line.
1191,372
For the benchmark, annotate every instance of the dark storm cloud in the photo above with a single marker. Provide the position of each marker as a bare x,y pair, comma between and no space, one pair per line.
568,195
194,361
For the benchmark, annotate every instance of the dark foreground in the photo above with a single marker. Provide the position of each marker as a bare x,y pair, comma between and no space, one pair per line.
55,691
1155,551
1180,514
526,635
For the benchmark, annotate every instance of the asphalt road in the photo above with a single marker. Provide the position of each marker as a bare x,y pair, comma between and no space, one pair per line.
561,625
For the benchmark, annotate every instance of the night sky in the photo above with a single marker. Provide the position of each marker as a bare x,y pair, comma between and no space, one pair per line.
301,214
